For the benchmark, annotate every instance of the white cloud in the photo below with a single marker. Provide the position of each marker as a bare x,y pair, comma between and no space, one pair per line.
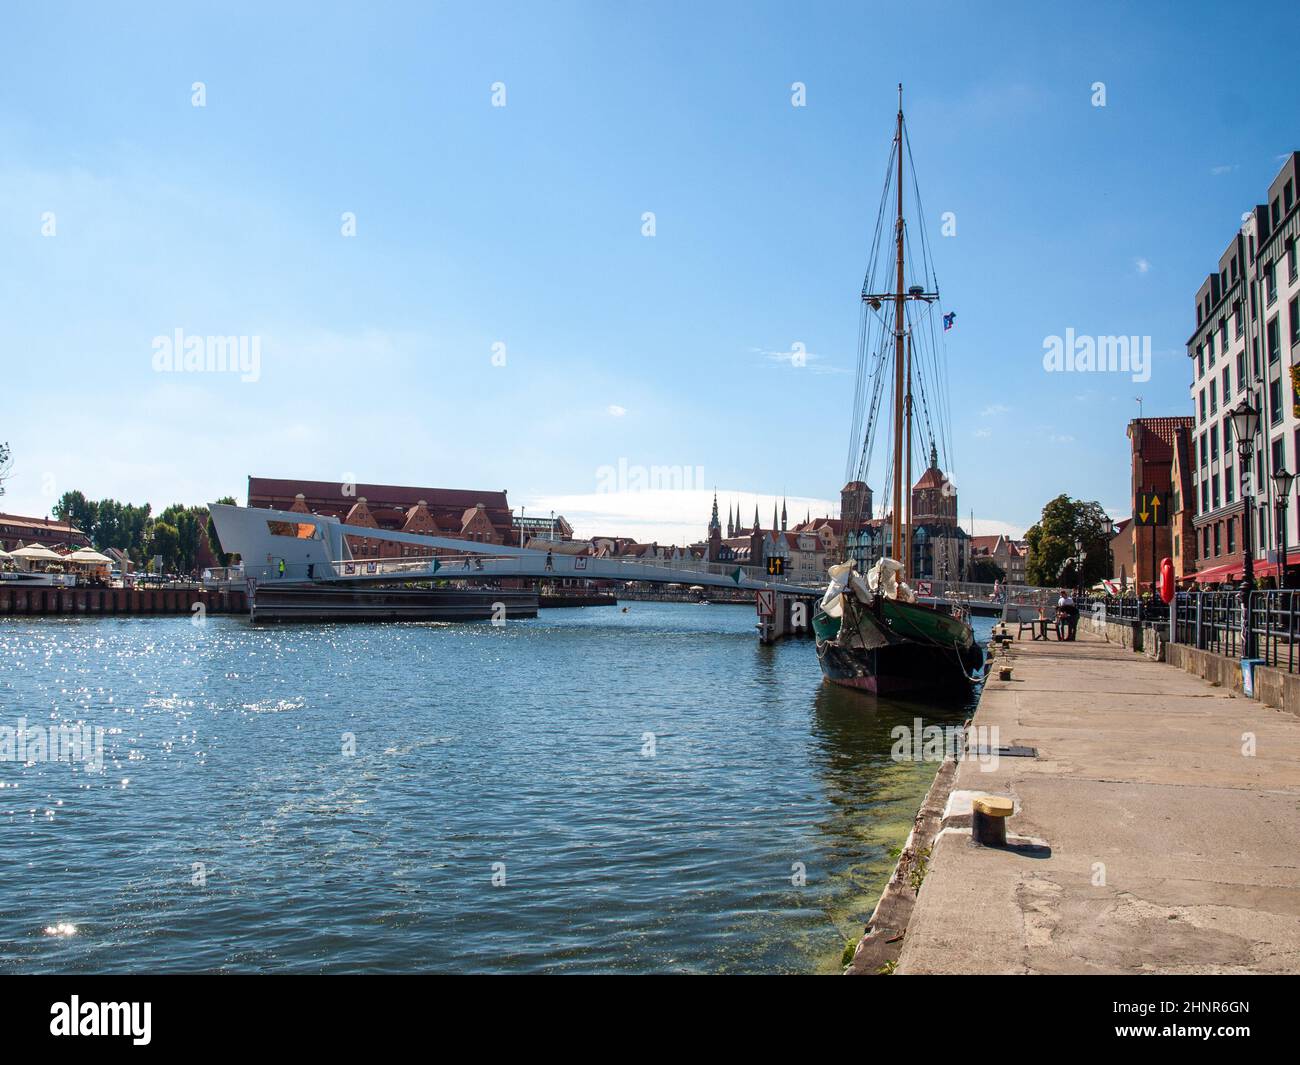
994,410
1225,169
1143,265
616,411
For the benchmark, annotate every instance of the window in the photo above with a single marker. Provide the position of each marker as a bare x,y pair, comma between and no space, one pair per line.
1205,455
1279,454
1223,333
1209,346
1228,487
1295,320
1288,196
1275,401
1271,338
1217,526
298,530
1214,400
1205,497
1270,282
1202,414
1200,362
1236,318
1214,440
1214,491
1290,259
1241,368
1232,537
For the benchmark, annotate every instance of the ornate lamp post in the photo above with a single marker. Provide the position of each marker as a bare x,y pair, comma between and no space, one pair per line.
1282,481
1245,423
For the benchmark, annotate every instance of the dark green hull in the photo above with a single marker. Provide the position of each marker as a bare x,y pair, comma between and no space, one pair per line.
891,646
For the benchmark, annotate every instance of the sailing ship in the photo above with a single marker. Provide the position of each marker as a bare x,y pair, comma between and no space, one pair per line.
872,632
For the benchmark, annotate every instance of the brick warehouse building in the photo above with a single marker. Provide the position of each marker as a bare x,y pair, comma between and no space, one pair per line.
17,528
1157,444
465,514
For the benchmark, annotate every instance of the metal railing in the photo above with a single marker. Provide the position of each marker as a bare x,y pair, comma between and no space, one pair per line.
1218,622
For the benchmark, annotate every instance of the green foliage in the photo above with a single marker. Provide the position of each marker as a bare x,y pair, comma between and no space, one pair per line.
986,571
888,968
6,464
179,534
846,955
1051,544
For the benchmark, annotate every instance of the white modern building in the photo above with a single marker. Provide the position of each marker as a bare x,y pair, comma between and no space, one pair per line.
1247,340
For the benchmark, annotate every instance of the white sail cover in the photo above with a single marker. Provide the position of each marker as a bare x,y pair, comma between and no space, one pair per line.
842,576
883,577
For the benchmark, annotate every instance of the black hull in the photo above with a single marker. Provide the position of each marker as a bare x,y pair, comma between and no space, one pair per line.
902,667
325,602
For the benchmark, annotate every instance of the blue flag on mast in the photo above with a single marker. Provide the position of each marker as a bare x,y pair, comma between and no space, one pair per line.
948,320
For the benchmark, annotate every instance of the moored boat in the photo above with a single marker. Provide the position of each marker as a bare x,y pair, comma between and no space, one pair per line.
872,634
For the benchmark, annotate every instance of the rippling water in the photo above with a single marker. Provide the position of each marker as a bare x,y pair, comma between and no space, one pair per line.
228,829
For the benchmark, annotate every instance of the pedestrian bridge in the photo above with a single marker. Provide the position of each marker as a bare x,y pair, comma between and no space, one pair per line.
284,545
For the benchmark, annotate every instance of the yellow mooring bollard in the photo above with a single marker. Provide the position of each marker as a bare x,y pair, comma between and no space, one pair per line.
988,826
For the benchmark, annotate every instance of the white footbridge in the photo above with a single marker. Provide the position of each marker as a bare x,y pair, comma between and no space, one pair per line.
288,546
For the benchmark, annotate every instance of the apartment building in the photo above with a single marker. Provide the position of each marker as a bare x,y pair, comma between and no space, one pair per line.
1246,341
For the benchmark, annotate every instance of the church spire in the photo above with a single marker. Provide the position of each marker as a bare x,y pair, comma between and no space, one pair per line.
757,526
783,517
934,456
714,523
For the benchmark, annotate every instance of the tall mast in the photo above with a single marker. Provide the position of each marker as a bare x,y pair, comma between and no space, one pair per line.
907,527
899,297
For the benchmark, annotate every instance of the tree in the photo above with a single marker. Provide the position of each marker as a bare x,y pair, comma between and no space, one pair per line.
1051,544
74,508
165,541
6,464
986,571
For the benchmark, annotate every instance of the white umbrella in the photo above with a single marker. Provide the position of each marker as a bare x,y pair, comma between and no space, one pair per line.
36,552
90,556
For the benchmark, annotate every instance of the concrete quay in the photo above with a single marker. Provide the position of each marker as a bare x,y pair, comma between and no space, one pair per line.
1156,831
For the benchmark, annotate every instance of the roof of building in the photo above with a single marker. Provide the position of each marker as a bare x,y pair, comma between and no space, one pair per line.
1157,441
388,503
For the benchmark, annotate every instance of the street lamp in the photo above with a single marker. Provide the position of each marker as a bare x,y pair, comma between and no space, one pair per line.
1282,481
1245,423
1108,531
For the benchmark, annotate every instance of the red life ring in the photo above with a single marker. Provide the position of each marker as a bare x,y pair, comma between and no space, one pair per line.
1167,580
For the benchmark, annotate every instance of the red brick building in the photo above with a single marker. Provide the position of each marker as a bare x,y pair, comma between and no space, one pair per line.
464,514
1160,449
15,528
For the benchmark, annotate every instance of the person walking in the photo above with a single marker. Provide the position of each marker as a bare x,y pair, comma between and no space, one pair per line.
281,569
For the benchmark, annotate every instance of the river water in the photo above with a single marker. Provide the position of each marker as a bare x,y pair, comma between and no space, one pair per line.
594,790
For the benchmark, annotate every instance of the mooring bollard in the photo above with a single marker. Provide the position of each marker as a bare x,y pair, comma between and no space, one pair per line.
988,825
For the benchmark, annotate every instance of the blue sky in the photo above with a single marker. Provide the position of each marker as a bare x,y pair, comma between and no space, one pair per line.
522,225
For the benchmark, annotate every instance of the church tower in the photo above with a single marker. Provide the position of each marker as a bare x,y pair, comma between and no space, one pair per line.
715,532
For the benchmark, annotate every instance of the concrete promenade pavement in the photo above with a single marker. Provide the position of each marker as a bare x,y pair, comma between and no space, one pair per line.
1143,840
